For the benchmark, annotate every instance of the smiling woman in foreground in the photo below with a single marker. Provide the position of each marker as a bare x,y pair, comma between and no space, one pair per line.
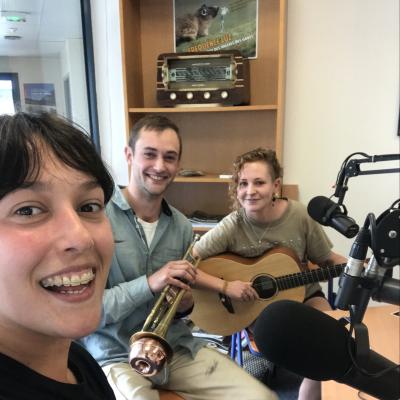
55,250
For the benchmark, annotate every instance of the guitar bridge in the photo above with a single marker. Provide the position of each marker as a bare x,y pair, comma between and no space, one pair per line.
227,303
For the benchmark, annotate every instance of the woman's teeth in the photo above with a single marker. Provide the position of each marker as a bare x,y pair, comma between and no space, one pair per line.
74,279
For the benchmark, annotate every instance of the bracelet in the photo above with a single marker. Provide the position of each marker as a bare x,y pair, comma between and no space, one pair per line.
224,287
182,314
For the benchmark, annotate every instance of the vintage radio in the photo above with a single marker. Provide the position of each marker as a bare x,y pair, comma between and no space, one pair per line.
203,78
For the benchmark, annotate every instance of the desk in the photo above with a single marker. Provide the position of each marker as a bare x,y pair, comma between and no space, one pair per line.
384,337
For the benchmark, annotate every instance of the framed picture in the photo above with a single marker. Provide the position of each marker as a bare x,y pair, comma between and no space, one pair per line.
226,25
39,94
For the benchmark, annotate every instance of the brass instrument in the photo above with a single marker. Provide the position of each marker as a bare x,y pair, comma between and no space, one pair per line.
149,349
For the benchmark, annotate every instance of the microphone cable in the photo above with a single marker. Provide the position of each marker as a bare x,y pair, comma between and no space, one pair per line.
341,175
353,359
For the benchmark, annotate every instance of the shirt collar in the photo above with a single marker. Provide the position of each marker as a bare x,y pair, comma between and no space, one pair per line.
120,201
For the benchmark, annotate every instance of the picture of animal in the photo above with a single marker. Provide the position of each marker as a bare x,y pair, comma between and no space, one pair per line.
193,26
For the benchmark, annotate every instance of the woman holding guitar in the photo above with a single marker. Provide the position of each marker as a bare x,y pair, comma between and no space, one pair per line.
262,220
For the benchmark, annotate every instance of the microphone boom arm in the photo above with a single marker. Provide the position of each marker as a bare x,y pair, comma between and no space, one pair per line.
351,168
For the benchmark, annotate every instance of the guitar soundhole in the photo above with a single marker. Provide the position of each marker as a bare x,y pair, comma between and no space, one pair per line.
265,286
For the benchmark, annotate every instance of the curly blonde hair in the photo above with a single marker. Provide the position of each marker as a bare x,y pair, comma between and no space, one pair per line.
259,154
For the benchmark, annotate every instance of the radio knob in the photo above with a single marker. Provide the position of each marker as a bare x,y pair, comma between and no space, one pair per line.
224,94
189,95
207,95
172,96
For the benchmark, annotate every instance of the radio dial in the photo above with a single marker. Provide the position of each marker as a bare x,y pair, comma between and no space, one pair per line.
189,95
172,96
206,95
224,94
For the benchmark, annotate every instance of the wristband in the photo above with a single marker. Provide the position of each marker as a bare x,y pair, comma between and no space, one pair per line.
224,287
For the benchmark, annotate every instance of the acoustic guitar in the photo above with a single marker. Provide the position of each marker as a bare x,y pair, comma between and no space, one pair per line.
277,275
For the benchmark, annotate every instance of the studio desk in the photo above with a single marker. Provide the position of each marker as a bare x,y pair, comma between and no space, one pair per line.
384,336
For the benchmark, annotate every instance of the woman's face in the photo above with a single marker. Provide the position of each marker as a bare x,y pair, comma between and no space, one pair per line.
55,251
256,188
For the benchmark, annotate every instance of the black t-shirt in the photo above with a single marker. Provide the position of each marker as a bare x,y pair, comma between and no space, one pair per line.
18,382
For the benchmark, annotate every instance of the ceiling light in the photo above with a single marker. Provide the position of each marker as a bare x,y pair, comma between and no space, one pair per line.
12,37
15,18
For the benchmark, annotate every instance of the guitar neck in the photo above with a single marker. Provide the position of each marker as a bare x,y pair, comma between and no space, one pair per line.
311,276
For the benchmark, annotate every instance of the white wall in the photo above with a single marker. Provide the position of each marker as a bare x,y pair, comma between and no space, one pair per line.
73,67
342,96
109,85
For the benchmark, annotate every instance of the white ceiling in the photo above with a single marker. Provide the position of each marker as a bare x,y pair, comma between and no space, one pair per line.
48,24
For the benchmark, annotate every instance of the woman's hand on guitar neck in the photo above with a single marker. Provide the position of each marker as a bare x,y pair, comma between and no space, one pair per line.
242,291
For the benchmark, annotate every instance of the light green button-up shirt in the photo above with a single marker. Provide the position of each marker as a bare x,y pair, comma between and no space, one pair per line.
128,299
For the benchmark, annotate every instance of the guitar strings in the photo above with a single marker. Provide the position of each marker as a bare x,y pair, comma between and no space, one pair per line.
308,274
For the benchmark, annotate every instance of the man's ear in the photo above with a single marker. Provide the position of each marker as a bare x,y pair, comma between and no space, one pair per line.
128,154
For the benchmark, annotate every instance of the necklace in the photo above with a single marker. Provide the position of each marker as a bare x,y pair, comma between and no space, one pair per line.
259,238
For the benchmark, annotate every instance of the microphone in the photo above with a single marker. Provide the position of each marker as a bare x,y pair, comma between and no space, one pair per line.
314,345
328,213
354,289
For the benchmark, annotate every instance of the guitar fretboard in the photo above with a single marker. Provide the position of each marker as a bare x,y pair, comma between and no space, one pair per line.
311,276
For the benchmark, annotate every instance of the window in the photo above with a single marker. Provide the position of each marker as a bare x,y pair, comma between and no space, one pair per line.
9,93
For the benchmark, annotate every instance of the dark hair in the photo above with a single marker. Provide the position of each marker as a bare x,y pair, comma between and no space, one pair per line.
23,137
259,154
156,123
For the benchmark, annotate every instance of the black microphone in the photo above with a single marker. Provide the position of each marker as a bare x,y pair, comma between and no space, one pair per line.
354,288
314,345
328,213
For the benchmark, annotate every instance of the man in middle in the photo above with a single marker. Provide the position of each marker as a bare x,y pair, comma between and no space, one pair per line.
151,240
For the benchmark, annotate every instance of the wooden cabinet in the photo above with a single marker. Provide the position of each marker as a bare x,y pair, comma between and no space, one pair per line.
212,136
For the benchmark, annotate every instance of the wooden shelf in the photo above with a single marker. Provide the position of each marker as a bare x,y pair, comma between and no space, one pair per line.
212,136
201,229
209,178
199,109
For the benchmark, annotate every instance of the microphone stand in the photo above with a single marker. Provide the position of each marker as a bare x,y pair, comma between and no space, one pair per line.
351,168
357,286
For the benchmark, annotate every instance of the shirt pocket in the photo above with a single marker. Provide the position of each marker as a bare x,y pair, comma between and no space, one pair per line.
162,256
132,262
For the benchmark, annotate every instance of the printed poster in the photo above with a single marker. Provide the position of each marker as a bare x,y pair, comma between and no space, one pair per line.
219,25
40,94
